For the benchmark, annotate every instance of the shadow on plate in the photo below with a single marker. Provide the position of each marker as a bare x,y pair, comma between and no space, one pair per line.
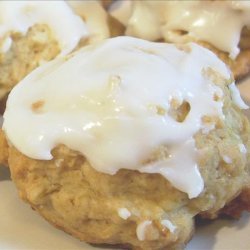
4,173
208,231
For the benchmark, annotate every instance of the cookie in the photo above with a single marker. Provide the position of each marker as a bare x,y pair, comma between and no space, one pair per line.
139,139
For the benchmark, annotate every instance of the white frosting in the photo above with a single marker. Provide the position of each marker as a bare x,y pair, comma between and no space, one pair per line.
141,229
19,16
6,45
121,10
124,213
242,148
113,102
95,18
227,159
217,22
235,93
169,225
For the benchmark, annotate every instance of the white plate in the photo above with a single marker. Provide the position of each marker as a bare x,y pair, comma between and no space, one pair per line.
23,229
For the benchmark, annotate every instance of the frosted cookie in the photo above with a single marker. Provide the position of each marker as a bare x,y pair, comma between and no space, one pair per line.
139,139
34,32
218,25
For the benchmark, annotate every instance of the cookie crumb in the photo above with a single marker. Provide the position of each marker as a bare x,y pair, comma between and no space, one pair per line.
37,106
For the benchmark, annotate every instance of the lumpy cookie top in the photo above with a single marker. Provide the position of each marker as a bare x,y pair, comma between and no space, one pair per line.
120,103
